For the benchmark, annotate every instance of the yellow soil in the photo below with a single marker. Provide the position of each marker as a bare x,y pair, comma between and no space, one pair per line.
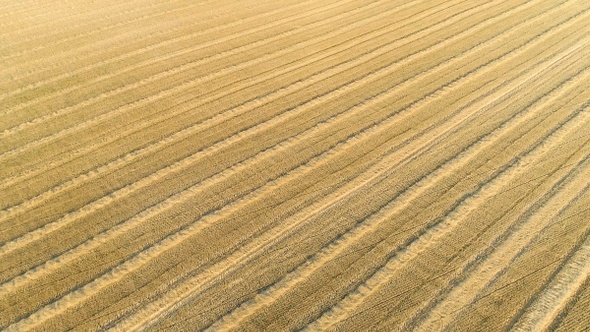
345,165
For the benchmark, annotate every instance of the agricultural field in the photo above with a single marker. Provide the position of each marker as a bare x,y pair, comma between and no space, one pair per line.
265,165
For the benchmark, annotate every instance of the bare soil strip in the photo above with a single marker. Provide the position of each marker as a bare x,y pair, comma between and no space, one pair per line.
346,165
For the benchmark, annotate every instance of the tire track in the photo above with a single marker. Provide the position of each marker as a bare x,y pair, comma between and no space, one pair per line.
467,267
52,227
453,219
507,248
382,72
555,297
231,264
218,275
385,298
372,285
577,201
365,131
568,313
330,252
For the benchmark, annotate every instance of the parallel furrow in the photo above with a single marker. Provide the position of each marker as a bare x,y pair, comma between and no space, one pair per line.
381,72
224,92
378,98
194,64
233,319
508,246
150,8
553,299
54,226
246,165
62,7
449,223
214,273
186,37
121,110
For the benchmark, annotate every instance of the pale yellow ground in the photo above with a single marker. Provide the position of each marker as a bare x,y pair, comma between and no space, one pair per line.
337,165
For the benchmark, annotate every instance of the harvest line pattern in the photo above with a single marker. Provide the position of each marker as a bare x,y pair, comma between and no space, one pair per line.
361,164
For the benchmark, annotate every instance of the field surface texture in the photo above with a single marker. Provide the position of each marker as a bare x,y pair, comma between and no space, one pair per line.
295,165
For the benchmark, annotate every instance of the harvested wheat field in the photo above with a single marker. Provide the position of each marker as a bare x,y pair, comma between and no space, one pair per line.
265,165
